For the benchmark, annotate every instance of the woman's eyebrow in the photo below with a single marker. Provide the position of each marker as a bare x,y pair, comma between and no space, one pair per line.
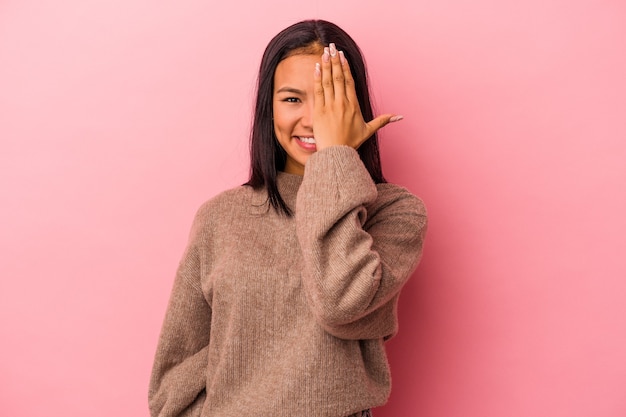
290,90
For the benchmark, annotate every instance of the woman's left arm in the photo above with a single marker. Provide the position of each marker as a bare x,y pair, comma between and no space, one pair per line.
355,261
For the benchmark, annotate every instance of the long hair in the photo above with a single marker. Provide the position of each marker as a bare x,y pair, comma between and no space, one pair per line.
267,157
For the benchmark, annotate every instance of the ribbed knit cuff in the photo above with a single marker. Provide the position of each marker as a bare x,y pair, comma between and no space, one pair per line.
338,172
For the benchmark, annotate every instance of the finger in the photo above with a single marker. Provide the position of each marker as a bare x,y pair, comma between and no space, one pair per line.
327,77
337,73
318,89
350,90
382,121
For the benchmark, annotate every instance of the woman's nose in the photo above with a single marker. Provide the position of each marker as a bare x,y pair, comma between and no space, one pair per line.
307,115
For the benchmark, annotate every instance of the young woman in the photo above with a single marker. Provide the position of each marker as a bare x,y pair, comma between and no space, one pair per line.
288,288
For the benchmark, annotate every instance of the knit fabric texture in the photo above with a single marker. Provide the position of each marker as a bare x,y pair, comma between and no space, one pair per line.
283,316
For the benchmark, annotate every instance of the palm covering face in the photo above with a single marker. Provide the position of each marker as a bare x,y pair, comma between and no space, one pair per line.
337,117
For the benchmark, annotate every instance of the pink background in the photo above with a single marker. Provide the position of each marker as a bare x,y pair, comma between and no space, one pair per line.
118,118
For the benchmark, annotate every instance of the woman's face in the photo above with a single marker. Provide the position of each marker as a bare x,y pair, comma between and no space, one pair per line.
293,109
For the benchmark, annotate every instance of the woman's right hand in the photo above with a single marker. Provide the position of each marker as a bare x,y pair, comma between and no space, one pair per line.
337,117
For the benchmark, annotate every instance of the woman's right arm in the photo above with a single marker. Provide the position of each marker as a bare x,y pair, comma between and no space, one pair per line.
177,384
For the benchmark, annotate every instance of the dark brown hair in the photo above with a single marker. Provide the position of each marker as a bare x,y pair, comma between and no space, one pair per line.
267,157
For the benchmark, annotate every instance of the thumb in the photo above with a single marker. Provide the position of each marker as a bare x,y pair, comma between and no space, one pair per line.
382,121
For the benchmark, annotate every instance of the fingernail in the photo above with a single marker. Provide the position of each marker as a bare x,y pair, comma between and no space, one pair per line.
326,56
333,49
318,72
395,118
342,58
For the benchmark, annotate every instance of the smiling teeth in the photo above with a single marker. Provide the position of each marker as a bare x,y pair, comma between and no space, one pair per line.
306,140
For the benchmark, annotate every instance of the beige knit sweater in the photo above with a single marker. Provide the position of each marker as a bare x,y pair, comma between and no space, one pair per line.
277,316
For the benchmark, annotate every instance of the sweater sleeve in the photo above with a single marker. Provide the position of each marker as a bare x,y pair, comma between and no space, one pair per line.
355,262
178,383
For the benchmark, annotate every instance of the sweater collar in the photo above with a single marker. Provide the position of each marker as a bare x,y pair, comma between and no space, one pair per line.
288,186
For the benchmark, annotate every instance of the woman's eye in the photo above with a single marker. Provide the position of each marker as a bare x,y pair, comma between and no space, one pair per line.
292,100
